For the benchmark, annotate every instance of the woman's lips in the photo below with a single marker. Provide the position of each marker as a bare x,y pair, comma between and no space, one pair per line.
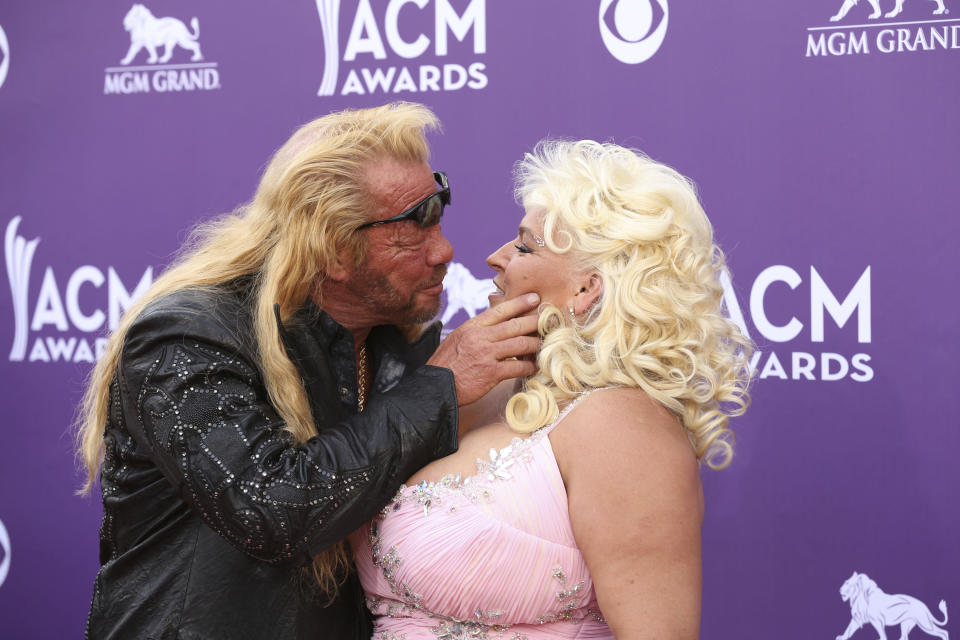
496,296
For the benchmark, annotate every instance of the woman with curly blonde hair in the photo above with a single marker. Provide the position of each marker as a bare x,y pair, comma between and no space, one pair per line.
576,508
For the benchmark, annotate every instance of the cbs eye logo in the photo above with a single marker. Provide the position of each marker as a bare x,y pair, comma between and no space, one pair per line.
638,28
4,56
5,558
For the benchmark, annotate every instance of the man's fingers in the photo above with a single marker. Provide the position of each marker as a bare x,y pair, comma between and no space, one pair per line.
491,347
516,346
516,369
508,309
522,326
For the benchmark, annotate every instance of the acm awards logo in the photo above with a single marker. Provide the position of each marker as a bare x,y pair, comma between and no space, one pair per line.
65,321
5,549
467,293
892,32
820,301
409,29
633,30
161,38
4,56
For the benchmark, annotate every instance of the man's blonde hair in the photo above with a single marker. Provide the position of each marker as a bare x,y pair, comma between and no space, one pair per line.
302,219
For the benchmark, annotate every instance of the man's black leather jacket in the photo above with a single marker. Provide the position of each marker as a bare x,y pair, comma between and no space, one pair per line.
211,512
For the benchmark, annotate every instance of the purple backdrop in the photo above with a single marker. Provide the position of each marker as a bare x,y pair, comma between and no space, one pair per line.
824,152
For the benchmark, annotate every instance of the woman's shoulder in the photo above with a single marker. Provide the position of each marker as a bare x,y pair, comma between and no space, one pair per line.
620,427
618,408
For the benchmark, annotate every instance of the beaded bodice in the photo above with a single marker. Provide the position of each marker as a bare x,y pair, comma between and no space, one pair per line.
487,556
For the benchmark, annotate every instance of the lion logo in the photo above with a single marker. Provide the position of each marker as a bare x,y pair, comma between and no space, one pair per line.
464,292
875,4
149,32
868,603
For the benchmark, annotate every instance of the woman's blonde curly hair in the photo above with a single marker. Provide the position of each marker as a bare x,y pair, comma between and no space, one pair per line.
658,324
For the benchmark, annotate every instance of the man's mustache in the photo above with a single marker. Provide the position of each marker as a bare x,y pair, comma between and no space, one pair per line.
439,274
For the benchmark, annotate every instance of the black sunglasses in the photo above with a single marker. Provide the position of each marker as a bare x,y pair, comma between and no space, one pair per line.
425,213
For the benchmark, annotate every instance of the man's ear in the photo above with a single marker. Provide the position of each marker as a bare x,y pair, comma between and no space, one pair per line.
338,271
591,287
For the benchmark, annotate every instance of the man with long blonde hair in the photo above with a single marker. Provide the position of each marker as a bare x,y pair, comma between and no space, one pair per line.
276,385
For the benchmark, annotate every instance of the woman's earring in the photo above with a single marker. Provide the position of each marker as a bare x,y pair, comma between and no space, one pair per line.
572,314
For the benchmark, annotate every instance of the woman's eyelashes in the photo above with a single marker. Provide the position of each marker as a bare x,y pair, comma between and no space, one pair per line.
523,248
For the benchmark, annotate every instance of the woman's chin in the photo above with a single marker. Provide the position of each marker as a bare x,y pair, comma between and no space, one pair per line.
496,298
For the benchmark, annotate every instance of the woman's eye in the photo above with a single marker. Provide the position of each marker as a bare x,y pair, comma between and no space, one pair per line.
522,248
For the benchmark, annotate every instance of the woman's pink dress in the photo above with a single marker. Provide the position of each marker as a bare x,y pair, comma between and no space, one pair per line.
489,556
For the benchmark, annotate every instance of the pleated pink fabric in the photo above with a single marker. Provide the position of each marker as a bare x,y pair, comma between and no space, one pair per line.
489,556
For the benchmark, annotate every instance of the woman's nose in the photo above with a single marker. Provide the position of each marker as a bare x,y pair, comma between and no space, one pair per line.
497,259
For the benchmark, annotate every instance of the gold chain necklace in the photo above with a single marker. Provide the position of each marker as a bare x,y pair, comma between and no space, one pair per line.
362,377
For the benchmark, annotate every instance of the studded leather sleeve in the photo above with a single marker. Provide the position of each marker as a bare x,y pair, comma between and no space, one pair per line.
202,412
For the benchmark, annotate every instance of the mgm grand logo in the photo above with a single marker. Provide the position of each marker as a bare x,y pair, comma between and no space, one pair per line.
871,34
161,39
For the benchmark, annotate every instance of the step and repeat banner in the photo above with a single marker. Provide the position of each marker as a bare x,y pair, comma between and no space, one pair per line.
823,137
